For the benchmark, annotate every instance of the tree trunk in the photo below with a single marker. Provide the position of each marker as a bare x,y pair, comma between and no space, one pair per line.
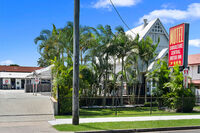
106,79
114,93
139,89
146,84
104,95
122,84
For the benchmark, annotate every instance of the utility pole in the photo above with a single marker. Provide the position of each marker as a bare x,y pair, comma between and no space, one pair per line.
75,99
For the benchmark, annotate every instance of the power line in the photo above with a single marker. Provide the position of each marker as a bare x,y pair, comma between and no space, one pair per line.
121,17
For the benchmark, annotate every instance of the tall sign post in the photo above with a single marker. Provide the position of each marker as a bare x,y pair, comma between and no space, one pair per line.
75,99
37,80
178,48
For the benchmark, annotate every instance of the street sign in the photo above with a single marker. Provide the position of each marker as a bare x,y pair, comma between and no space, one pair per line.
6,81
178,45
37,80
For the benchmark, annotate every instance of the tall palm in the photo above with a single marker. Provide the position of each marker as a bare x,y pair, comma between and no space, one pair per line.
146,53
105,36
41,41
87,41
132,71
124,45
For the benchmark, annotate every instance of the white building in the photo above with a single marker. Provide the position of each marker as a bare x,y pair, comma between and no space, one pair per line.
13,77
155,30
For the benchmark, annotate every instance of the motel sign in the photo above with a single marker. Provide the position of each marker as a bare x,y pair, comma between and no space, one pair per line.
178,45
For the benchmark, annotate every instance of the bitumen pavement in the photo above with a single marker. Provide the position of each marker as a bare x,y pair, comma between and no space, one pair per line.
177,131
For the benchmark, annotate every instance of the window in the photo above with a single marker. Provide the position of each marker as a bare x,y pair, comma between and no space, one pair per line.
198,69
157,28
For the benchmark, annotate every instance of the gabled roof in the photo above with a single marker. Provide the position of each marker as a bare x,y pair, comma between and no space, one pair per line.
194,59
143,30
18,69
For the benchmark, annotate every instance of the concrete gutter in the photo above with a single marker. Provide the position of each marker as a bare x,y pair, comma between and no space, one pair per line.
143,130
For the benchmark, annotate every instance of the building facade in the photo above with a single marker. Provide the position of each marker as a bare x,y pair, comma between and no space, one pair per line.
155,30
13,77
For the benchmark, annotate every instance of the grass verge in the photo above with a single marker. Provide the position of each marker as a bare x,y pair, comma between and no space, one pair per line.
127,125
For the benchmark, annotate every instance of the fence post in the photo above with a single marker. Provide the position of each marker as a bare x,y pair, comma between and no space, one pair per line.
151,106
115,106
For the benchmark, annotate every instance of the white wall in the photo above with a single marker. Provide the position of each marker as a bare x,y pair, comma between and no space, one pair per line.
164,43
193,72
18,83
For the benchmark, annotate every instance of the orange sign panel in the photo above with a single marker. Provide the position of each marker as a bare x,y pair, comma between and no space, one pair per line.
176,45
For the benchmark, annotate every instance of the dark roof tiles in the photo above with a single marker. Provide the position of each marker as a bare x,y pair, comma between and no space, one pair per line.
18,69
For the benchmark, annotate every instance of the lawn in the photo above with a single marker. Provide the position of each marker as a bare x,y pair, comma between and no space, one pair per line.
125,112
128,125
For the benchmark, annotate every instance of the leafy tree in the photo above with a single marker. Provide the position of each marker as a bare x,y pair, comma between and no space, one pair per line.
159,76
179,98
14,65
146,52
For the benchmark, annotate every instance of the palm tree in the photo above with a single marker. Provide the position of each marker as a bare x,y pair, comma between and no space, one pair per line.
41,40
146,53
132,72
105,37
87,41
124,45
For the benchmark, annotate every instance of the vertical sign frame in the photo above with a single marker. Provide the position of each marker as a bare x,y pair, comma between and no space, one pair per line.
178,45
186,41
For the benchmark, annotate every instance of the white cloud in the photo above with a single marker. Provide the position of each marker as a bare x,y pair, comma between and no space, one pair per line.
6,62
119,3
168,5
195,42
170,15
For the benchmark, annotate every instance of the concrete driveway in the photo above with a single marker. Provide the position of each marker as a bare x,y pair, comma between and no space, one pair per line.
27,127
25,113
15,105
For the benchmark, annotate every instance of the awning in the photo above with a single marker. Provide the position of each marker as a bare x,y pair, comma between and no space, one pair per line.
17,75
44,73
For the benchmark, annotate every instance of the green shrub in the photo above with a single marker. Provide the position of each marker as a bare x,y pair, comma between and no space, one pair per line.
65,101
179,98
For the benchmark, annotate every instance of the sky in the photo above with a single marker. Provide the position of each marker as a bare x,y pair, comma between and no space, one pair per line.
22,20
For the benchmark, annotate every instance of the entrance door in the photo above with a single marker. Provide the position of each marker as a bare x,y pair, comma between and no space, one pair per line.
22,83
1,83
13,85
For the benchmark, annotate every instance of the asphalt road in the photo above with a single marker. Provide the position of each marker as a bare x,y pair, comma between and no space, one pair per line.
178,131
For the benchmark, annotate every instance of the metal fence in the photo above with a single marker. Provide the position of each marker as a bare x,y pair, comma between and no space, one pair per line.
135,106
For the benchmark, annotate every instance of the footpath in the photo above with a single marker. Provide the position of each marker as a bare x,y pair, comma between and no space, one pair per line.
121,119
